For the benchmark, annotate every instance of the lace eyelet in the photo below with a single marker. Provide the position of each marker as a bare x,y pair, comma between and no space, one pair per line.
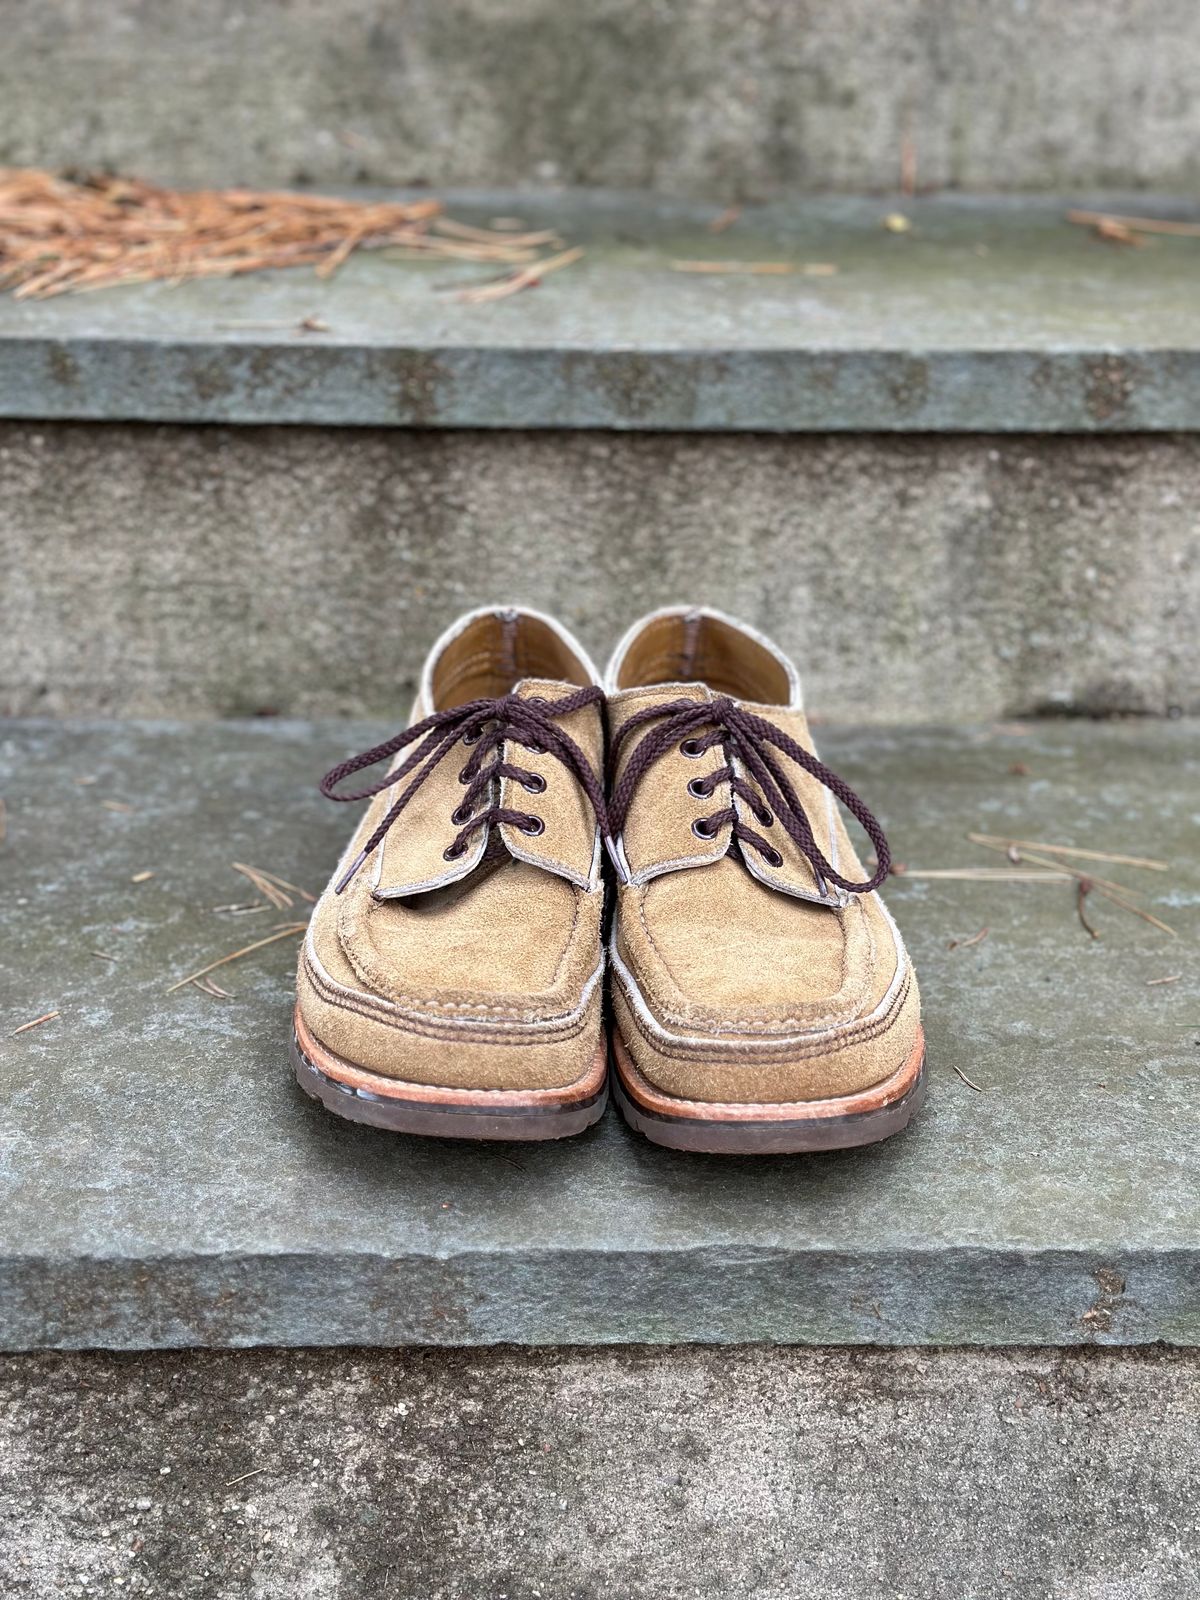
532,746
534,784
460,815
703,828
692,749
772,857
473,738
763,816
452,852
698,789
532,826
464,776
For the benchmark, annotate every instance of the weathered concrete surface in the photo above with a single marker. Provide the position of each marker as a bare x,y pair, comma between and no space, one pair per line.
668,94
578,1474
191,571
989,315
163,1182
649,1474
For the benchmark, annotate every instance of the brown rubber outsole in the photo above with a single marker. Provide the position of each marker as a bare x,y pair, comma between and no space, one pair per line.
767,1129
432,1111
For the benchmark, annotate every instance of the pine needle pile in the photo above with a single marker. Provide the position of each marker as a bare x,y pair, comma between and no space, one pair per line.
60,235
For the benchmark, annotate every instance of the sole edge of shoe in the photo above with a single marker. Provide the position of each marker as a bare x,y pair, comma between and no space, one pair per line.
432,1111
796,1127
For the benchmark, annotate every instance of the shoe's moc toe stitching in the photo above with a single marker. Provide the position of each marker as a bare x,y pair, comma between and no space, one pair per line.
758,1002
451,979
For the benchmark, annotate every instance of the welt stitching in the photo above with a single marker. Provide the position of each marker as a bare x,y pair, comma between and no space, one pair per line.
454,1007
775,1055
845,1032
426,1029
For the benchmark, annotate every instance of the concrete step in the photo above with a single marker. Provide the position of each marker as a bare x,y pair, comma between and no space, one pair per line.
989,315
196,570
164,1183
653,1474
676,95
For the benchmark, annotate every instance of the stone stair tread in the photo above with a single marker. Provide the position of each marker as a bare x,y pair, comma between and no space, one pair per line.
989,314
164,1182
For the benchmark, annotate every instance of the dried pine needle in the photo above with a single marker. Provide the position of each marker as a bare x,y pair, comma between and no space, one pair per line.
726,219
965,944
61,235
970,1082
1106,223
1061,866
988,874
526,278
995,839
755,268
207,986
47,1016
236,955
265,884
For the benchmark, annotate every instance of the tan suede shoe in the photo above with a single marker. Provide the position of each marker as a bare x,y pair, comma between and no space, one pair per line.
450,982
762,997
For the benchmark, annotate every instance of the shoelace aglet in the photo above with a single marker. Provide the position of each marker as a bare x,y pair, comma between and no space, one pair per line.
346,877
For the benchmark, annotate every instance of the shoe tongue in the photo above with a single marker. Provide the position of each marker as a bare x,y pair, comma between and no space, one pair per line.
659,835
568,845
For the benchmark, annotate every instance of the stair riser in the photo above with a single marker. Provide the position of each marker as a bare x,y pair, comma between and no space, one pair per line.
785,1474
675,97
218,571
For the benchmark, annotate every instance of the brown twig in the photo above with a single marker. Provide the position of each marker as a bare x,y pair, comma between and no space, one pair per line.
141,877
1152,983
965,944
1083,888
235,955
48,1016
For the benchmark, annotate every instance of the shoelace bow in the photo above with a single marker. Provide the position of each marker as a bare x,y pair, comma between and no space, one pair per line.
754,740
485,725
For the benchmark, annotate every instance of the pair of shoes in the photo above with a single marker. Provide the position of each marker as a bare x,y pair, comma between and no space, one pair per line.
452,978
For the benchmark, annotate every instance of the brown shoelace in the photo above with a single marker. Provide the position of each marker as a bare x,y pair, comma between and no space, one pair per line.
485,725
696,726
